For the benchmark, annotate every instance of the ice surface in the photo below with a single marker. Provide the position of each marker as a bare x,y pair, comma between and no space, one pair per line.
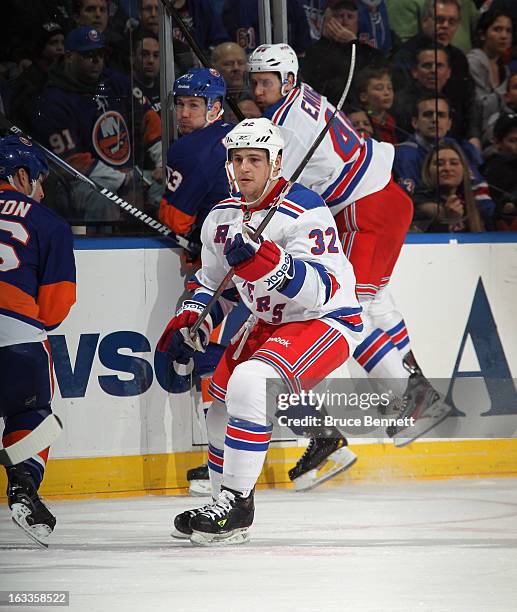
433,546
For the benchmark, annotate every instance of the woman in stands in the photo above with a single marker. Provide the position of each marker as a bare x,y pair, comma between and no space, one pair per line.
445,202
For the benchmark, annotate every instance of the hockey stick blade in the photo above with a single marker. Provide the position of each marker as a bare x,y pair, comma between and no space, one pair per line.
132,210
40,438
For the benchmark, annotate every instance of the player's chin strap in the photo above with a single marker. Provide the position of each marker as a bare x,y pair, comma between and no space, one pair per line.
234,186
209,110
34,184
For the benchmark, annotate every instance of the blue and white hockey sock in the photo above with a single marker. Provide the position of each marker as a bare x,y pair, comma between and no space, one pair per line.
400,338
215,468
245,449
381,359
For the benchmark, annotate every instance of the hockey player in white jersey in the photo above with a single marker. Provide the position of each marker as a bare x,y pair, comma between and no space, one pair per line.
372,214
305,322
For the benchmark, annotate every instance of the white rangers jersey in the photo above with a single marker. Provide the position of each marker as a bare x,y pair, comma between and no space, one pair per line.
344,167
322,281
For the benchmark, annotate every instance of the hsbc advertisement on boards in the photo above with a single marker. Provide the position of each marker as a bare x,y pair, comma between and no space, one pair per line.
115,396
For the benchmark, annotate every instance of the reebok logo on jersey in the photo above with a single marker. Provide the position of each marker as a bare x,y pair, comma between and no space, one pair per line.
285,270
279,340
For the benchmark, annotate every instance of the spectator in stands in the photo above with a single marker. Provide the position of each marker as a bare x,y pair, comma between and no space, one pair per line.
96,14
428,77
508,105
229,58
448,13
93,13
429,129
206,26
507,6
314,11
241,19
146,63
500,171
148,15
21,27
148,22
96,122
373,25
405,15
360,121
375,91
487,67
48,47
445,202
325,66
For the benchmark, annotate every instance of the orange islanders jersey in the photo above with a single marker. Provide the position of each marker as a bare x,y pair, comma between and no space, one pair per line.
37,268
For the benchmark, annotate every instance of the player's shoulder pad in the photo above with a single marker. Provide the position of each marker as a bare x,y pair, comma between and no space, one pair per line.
300,199
228,204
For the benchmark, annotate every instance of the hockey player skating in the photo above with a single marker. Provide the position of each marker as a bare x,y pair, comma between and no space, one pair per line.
196,181
305,322
37,290
372,215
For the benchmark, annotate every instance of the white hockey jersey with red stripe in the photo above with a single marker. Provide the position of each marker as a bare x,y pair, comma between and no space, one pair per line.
344,167
322,285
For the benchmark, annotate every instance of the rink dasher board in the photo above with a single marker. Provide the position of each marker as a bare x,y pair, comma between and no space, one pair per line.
108,391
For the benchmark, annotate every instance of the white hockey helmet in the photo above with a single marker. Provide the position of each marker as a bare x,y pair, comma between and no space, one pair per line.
279,58
254,134
258,133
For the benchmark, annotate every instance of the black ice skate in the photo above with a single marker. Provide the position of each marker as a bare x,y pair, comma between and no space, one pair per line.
182,530
322,459
27,509
225,521
199,481
424,405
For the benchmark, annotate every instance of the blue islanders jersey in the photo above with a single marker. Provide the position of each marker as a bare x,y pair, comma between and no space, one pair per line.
37,268
196,177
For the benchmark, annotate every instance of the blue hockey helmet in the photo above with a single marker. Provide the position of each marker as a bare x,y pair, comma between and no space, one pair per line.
19,152
203,83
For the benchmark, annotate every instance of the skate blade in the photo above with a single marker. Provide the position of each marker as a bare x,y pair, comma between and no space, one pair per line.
237,536
37,533
200,488
177,535
335,463
440,412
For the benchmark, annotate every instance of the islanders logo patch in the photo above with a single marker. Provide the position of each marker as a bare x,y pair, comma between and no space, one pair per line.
110,138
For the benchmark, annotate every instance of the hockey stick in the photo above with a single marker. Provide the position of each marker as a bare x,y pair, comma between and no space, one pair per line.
169,7
34,442
285,190
109,195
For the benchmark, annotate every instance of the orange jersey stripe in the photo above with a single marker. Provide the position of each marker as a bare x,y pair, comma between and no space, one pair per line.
179,222
55,301
16,300
16,436
205,395
152,127
81,161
